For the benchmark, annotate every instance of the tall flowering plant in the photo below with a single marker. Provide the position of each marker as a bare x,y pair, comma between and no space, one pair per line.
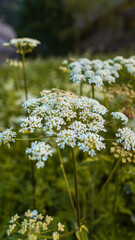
63,119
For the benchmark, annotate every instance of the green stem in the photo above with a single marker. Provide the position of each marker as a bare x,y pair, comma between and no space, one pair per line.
93,190
76,186
93,91
32,162
108,122
31,139
103,187
66,182
105,184
105,97
69,233
81,92
117,104
17,80
24,76
116,191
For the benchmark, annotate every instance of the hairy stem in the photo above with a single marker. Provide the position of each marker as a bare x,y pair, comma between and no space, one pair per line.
66,182
76,187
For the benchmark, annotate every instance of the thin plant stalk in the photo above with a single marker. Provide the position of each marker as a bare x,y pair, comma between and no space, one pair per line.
105,184
93,189
116,191
94,172
16,79
66,182
116,179
32,163
93,90
76,186
24,76
103,187
81,90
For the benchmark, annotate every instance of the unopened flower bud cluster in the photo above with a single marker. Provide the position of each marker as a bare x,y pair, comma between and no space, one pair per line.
120,152
14,63
33,226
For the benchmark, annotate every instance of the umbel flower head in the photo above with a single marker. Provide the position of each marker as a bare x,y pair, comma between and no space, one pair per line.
128,64
23,45
121,116
39,151
120,152
94,72
7,136
33,226
71,120
126,137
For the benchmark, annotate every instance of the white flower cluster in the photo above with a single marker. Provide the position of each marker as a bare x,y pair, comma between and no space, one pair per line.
127,63
7,136
32,226
31,103
23,45
72,120
94,71
126,137
39,151
90,142
121,116
30,123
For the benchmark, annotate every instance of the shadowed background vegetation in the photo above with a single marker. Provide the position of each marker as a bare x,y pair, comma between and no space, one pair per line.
66,26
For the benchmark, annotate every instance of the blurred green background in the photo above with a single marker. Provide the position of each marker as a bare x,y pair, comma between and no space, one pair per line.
93,29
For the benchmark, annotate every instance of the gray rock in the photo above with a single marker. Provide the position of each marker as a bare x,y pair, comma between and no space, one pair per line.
6,34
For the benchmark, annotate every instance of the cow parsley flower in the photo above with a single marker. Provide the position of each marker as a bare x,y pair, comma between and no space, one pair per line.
121,116
61,227
7,136
32,228
39,152
31,123
127,137
30,103
94,72
90,142
23,45
56,236
78,78
67,117
66,137
128,64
